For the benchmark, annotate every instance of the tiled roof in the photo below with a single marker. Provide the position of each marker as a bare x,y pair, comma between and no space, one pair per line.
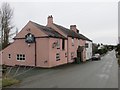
49,31
71,33
81,35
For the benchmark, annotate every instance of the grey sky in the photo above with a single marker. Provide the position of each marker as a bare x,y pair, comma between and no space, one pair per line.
96,20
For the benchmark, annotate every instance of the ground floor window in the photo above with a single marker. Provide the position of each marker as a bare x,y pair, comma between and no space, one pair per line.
57,56
65,54
21,57
72,55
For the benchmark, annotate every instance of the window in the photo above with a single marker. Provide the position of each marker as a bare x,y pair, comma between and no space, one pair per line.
9,56
58,44
57,57
78,42
63,44
72,55
65,54
86,45
21,57
72,41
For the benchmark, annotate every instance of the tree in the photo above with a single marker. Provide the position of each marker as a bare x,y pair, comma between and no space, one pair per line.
6,15
118,49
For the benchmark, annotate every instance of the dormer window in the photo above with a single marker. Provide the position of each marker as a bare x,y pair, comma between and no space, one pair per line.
29,38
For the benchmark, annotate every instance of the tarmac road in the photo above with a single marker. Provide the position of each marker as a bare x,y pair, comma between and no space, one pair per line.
92,74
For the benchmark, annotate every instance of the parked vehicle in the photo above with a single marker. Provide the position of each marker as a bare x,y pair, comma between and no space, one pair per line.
96,56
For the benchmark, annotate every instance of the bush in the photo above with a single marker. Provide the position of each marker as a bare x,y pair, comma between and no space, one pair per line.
102,51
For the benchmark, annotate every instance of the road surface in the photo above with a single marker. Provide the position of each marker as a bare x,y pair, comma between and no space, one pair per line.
91,74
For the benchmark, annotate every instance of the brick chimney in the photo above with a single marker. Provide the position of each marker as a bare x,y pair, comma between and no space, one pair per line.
50,20
73,27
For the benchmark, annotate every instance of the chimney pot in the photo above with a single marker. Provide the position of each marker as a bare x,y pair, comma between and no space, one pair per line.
50,20
73,27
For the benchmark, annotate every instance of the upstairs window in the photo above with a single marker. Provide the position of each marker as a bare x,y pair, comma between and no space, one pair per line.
63,44
21,57
86,45
72,41
58,44
78,42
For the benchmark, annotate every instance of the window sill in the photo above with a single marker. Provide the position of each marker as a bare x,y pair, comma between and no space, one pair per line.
21,60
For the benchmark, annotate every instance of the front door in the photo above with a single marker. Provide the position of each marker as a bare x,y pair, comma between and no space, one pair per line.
79,55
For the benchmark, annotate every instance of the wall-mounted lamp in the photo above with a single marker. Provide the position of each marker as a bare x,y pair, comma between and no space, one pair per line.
28,44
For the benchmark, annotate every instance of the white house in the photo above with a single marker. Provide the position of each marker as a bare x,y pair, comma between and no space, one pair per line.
88,46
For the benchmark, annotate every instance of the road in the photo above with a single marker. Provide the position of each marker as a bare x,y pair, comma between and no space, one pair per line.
91,74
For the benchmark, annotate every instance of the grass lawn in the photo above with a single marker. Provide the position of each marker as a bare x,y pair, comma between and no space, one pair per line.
9,81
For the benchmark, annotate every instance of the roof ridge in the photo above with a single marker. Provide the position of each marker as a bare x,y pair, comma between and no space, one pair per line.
78,35
49,31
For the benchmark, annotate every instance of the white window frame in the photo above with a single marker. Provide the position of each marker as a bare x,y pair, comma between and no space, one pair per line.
20,57
58,44
57,56
78,42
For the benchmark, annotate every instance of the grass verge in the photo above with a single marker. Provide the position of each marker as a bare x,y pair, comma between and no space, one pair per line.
9,81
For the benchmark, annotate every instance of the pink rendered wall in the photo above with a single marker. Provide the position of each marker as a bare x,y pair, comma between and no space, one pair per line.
53,51
72,48
19,47
33,29
82,43
42,52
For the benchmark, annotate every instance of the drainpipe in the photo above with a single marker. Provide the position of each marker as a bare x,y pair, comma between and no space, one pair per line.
67,51
35,54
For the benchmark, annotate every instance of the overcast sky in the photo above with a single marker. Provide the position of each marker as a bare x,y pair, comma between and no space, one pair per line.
96,20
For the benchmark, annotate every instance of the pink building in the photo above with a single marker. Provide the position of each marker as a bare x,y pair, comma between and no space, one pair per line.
45,46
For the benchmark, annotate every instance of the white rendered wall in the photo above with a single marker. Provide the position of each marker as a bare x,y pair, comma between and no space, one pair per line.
89,50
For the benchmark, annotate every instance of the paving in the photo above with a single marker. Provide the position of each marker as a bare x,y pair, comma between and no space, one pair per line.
91,74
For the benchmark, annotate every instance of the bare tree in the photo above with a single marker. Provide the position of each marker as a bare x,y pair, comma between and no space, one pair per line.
6,23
